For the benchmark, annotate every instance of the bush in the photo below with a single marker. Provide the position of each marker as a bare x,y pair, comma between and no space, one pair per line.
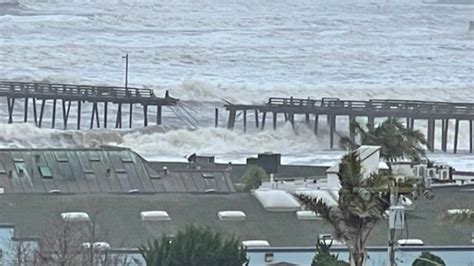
253,177
324,258
428,259
195,246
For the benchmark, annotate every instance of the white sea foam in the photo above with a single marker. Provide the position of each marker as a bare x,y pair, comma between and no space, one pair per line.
242,51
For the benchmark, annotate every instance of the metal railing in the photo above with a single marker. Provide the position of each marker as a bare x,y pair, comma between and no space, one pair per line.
74,90
376,105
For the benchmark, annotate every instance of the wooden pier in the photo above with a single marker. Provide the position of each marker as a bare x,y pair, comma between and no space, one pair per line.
333,108
67,95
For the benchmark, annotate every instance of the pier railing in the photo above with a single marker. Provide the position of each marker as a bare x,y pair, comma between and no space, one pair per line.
375,105
95,96
67,90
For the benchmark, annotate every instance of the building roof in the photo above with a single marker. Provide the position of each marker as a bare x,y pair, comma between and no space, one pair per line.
104,170
119,217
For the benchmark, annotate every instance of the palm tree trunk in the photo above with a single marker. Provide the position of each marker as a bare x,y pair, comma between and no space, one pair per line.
357,252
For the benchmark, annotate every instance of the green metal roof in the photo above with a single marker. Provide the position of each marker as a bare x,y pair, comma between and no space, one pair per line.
104,170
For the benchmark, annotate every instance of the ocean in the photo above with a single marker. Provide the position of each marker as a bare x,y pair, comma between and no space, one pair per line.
242,51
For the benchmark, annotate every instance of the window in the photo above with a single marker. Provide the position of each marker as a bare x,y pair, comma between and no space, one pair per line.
45,172
61,157
94,157
126,158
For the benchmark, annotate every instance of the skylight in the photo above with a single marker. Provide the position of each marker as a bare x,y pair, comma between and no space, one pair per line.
410,242
45,172
255,243
96,245
307,215
75,216
231,215
321,194
277,200
154,216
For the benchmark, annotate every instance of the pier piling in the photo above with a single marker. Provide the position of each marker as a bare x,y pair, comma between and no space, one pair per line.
82,94
333,108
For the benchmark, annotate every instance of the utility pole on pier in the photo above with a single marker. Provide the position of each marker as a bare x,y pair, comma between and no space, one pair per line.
126,72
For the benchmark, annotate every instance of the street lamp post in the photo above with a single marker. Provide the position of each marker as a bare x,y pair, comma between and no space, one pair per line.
126,72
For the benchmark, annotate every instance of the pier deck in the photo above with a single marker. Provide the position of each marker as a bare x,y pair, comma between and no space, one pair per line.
333,108
67,94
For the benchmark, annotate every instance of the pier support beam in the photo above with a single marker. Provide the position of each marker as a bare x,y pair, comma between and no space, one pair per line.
316,123
274,120
332,129
256,119
292,120
456,134
158,114
66,112
145,115
245,120
43,102
106,107
130,118
231,122
371,122
470,137
95,115
25,113
352,120
11,104
53,122
431,134
78,115
35,115
118,119
264,117
444,134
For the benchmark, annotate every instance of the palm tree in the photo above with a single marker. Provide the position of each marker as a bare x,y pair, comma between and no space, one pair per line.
396,141
361,204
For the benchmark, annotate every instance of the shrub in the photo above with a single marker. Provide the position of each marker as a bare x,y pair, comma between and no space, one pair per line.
428,259
253,177
324,258
195,246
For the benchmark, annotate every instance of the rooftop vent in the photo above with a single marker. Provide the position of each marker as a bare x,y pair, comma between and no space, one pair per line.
207,175
255,243
277,200
231,215
17,159
75,216
96,245
307,215
154,216
203,160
